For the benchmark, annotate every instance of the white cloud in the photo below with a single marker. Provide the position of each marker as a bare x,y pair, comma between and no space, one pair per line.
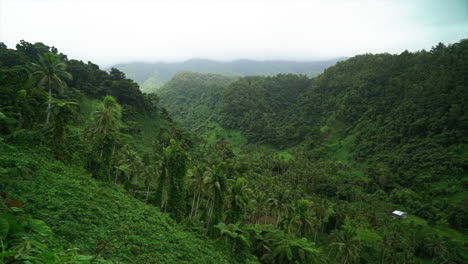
107,32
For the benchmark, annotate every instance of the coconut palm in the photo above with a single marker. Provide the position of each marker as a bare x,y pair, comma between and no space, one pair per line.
283,249
217,184
150,174
107,118
62,113
238,199
238,237
196,178
175,160
280,205
259,204
303,221
52,72
130,164
107,121
346,244
437,247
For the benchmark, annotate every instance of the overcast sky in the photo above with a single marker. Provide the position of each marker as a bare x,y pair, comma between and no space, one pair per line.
113,31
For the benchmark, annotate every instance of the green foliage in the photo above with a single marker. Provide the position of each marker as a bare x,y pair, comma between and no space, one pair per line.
370,135
51,72
192,98
175,159
347,245
238,200
103,133
90,214
217,183
24,239
238,237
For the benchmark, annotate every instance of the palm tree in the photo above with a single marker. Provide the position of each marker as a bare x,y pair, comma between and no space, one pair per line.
436,245
259,204
196,178
150,174
284,249
107,119
239,199
303,221
176,160
323,210
216,182
280,205
62,113
347,244
51,71
238,237
130,163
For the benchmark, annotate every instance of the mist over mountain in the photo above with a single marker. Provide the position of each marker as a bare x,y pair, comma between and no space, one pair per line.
151,76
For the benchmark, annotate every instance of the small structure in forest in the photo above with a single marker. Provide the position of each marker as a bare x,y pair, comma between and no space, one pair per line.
399,214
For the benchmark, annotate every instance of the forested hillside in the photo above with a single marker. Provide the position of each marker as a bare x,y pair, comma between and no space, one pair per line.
151,76
392,126
192,97
78,151
254,169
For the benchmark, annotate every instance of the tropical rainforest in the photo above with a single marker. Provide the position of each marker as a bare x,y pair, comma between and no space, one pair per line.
225,168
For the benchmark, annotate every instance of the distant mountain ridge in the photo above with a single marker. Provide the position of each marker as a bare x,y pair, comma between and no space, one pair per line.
151,76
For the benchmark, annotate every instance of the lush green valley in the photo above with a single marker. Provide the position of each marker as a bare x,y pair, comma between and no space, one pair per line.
232,169
394,126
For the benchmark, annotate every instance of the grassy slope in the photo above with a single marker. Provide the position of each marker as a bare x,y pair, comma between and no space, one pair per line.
83,211
213,133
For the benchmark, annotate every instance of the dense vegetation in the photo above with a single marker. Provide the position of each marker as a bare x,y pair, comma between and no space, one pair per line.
192,97
83,150
151,76
72,136
388,129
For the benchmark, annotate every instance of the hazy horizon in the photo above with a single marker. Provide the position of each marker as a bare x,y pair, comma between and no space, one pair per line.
226,61
115,32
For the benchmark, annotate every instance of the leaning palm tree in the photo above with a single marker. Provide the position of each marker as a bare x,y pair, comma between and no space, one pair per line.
52,72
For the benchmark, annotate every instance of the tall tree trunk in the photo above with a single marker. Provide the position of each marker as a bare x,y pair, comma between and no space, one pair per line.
210,214
193,204
49,103
147,193
198,204
278,218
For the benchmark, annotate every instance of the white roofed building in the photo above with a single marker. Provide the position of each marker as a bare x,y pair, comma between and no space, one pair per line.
399,214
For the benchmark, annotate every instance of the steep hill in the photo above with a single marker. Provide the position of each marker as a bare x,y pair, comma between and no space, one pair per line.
151,76
90,215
